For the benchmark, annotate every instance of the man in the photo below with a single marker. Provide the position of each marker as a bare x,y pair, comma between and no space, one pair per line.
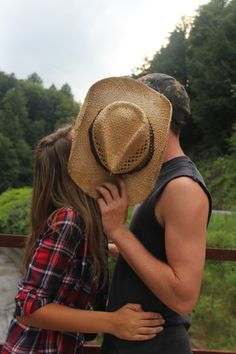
162,255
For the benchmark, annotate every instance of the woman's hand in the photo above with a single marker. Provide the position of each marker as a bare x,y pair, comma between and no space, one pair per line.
132,323
129,322
113,206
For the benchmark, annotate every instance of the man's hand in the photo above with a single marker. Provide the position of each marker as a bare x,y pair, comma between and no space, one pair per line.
113,206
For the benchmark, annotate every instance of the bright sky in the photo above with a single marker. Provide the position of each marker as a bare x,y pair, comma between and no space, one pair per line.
82,41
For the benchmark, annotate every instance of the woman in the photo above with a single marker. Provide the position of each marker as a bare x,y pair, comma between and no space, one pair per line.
66,266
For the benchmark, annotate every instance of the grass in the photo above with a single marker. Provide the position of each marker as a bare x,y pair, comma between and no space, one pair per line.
214,317
222,231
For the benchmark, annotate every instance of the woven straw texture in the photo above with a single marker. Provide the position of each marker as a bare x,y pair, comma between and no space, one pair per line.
130,122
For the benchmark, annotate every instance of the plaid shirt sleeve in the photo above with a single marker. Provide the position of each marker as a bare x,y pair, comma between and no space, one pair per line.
56,249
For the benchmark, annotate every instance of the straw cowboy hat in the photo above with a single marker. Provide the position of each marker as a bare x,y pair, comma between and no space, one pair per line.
121,130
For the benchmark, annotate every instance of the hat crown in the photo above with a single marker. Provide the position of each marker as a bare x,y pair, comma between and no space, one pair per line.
121,137
122,129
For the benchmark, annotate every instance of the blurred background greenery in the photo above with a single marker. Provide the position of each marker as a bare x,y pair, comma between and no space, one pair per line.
214,317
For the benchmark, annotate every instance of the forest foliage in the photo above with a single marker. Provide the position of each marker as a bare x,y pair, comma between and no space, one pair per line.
28,111
201,54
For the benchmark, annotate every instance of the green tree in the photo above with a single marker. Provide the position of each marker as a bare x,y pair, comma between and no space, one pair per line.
66,111
211,72
15,114
201,54
35,78
28,111
220,175
14,122
66,89
37,108
9,163
170,59
6,83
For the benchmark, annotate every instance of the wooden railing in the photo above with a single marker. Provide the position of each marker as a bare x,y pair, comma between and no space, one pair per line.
215,254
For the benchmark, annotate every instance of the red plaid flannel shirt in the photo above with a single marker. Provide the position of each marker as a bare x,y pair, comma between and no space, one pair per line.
58,273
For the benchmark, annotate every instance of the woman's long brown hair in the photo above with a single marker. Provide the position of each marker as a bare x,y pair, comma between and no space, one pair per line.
54,189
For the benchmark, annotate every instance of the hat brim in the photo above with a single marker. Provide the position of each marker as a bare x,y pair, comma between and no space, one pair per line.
82,166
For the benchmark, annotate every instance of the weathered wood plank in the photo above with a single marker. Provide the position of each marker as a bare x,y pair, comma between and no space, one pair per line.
216,254
16,241
220,254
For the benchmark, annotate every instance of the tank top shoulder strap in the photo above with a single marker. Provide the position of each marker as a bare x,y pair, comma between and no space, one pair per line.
181,166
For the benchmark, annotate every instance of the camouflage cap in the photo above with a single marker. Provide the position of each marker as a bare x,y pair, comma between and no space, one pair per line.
173,90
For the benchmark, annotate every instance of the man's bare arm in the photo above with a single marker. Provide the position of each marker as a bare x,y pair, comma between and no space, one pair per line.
183,212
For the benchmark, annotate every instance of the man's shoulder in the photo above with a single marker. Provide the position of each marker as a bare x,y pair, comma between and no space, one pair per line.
182,196
182,183
183,187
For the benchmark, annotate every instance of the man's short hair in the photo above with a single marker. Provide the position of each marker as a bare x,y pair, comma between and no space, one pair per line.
175,92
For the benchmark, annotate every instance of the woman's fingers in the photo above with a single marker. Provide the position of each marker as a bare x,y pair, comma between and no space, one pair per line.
146,333
150,315
152,323
142,337
150,330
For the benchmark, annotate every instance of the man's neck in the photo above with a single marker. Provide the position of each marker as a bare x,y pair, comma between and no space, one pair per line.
173,147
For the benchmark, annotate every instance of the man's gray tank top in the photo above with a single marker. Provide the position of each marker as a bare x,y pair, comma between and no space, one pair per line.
126,286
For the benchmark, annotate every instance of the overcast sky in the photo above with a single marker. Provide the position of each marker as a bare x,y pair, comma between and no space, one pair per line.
82,41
